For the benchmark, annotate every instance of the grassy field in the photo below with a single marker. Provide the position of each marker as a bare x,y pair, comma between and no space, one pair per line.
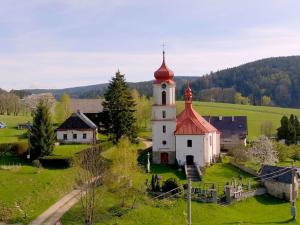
68,150
258,210
28,191
256,114
11,133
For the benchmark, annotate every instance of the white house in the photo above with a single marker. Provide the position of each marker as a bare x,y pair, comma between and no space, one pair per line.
77,129
187,138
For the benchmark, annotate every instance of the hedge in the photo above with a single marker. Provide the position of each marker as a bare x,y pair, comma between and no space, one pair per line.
56,161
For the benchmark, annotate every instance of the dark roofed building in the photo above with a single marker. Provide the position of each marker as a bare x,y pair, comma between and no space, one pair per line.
278,181
90,107
78,128
234,130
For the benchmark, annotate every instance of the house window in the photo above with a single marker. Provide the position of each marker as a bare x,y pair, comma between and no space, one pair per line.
84,136
74,136
189,143
164,142
163,114
164,128
164,98
65,137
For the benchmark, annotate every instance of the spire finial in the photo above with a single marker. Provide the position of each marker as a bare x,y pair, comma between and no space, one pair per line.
188,93
163,46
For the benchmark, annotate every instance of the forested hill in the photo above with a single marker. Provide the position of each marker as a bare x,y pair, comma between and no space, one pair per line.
94,91
277,78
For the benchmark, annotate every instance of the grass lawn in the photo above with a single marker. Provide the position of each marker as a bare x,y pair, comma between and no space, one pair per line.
11,133
256,114
68,150
33,189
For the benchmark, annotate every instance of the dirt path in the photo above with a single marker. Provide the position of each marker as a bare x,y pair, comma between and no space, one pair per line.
56,211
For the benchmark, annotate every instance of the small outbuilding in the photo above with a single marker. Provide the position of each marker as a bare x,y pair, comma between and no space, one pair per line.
278,181
77,129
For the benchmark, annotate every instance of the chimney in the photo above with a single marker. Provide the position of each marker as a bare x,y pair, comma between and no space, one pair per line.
232,118
220,118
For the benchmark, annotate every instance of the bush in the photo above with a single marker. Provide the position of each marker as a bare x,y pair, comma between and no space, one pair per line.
239,154
284,151
56,162
295,152
4,149
36,163
169,185
20,148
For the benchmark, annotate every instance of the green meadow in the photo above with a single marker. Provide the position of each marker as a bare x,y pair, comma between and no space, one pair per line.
256,114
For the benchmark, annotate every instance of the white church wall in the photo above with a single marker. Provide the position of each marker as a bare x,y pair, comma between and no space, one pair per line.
170,94
157,112
158,136
182,150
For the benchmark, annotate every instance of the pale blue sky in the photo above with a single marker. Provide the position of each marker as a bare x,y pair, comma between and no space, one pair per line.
64,43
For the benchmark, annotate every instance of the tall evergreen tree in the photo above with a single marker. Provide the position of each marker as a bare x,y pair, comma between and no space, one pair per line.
283,130
42,136
118,116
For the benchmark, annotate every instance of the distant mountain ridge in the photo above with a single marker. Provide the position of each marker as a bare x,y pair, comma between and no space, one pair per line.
277,78
93,91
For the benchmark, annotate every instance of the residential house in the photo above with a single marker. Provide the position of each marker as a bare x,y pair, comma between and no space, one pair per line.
77,129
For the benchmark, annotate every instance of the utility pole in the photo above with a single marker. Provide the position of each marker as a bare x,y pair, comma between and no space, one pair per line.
293,194
189,202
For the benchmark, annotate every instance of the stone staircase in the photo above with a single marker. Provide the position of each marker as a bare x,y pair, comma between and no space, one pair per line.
192,173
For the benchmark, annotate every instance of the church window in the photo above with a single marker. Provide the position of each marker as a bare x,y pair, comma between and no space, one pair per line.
164,128
164,114
164,142
189,143
164,98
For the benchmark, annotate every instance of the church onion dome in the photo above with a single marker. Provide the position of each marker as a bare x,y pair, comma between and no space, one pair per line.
189,122
163,74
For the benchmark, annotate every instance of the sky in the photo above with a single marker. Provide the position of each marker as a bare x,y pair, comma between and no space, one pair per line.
66,43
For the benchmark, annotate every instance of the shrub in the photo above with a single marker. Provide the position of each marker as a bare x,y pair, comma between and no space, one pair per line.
284,151
239,154
36,163
295,152
5,148
169,185
20,148
56,162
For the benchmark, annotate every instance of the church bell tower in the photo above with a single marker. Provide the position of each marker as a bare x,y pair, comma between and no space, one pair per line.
164,115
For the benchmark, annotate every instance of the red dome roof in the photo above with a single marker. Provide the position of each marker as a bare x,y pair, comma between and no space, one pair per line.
164,74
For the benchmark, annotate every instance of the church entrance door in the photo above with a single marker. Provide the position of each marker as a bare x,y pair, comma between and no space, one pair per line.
164,158
190,160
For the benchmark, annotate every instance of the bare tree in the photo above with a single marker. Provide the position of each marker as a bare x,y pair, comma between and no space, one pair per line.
91,167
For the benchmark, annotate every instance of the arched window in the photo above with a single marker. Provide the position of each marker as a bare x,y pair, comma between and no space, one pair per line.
164,98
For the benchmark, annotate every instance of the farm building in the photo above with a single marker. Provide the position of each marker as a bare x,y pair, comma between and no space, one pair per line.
278,181
234,130
188,138
89,107
78,129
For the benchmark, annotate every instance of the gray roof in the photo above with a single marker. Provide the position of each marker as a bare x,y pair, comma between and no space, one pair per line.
77,121
87,105
274,171
229,125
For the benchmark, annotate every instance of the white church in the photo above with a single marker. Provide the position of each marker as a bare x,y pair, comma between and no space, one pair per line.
188,137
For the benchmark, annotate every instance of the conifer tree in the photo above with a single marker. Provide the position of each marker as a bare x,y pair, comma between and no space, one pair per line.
283,130
42,136
118,116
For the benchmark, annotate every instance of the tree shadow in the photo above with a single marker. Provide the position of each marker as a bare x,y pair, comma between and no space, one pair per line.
291,221
269,200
